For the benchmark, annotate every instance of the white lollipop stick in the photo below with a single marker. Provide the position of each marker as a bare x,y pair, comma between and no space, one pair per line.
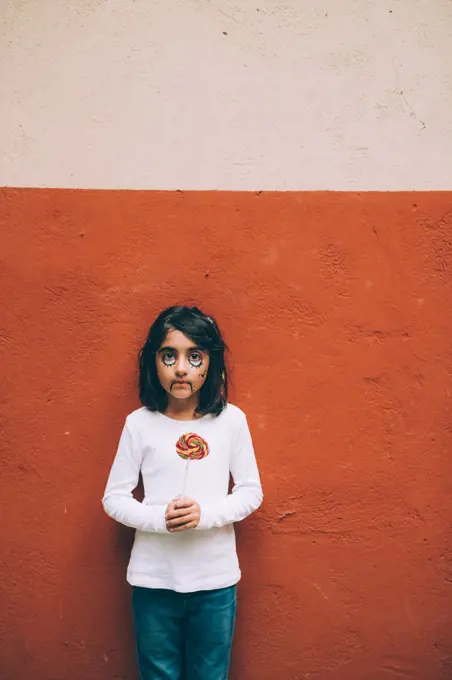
185,479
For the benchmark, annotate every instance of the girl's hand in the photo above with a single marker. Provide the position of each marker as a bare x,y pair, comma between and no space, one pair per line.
182,514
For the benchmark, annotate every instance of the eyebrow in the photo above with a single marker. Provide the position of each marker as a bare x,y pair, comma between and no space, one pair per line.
173,349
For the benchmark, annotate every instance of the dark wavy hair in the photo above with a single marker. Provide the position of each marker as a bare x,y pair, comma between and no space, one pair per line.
202,330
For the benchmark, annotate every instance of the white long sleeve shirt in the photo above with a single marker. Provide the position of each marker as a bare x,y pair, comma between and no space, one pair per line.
204,558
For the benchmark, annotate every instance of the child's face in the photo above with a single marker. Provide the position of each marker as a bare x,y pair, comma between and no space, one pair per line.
181,365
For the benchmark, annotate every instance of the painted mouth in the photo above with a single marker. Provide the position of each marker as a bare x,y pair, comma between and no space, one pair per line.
181,384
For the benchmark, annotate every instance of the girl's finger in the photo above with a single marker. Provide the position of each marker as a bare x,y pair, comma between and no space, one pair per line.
190,525
180,520
183,503
179,513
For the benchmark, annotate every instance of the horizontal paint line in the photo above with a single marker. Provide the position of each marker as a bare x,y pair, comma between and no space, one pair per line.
256,192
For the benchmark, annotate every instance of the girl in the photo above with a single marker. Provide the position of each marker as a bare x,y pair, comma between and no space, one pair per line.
186,440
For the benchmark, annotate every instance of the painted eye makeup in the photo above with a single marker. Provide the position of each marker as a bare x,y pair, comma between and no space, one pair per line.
195,359
168,359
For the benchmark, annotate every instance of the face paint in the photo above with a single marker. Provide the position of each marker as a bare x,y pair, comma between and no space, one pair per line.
182,367
168,359
195,359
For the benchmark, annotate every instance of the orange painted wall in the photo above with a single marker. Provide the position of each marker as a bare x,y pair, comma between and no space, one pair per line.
337,308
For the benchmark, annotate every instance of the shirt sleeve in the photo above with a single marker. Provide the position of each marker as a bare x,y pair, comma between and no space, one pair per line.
118,500
246,494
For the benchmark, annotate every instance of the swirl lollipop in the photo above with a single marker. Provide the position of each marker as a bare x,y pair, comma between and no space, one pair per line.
189,447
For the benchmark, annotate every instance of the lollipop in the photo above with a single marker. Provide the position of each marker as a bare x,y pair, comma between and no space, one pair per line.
192,447
189,447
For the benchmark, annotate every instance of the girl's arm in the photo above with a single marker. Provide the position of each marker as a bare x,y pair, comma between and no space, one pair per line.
118,500
246,494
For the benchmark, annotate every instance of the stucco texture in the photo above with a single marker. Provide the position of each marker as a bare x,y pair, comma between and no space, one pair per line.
336,308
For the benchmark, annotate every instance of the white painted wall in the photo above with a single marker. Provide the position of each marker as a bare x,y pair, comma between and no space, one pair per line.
199,94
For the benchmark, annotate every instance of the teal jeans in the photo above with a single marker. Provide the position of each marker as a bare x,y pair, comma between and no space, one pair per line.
184,636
